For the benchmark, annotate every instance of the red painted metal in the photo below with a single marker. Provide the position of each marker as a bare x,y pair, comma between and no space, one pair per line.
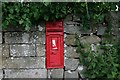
54,44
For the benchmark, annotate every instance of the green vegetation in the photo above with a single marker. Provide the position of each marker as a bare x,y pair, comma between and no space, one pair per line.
98,64
29,13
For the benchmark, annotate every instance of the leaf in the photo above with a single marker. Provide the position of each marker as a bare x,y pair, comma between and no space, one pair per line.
11,10
113,74
116,65
27,28
46,3
46,18
5,24
83,4
11,16
24,16
21,21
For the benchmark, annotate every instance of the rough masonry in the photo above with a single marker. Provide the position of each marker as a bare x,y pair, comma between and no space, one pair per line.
22,54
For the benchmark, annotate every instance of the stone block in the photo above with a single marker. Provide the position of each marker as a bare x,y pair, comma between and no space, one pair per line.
25,73
1,74
40,49
101,30
71,64
87,32
5,50
71,23
23,37
43,39
39,27
116,31
16,37
70,40
0,37
37,37
76,17
1,25
114,19
90,39
69,74
72,29
24,62
115,15
48,73
0,56
71,52
68,18
22,50
57,73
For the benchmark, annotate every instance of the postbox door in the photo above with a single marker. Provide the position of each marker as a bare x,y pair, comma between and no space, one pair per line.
55,56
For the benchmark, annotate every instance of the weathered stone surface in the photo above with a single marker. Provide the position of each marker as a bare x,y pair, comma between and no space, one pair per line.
13,28
18,28
42,24
71,23
70,40
101,30
57,73
80,68
26,73
24,62
116,31
1,74
40,49
43,38
71,64
71,52
76,17
94,47
1,25
69,74
40,28
90,39
114,19
34,28
72,29
22,50
68,18
16,37
115,15
38,37
48,73
82,31
0,56
20,37
0,37
5,50
115,24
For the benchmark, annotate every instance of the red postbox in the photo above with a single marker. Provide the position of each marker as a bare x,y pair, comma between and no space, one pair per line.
54,44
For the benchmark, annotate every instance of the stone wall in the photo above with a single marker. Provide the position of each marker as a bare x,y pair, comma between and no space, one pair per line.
23,53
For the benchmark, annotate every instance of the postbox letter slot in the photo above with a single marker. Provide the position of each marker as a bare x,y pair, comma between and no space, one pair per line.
54,30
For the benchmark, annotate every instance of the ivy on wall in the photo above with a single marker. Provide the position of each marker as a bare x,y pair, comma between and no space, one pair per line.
29,13
99,65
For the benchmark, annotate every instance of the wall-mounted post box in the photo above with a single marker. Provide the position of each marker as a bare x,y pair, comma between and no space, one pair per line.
54,44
